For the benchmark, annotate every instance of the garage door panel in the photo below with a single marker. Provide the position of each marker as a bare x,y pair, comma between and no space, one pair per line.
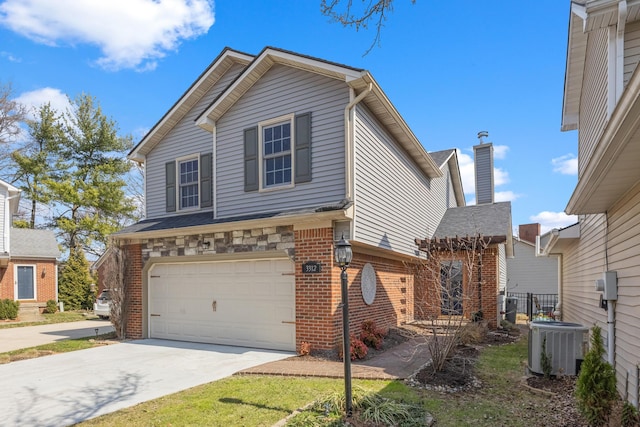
252,300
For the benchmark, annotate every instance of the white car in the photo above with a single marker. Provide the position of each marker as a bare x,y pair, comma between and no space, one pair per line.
102,306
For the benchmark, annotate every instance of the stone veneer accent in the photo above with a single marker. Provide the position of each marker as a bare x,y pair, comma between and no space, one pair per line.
249,240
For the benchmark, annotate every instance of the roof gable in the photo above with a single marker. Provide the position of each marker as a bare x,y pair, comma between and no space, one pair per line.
357,79
209,77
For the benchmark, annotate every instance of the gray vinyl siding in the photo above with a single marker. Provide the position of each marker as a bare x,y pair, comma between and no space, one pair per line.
528,273
484,174
280,91
593,102
394,202
183,140
631,49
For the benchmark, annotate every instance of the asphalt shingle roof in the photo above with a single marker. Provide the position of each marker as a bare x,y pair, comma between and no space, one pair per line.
29,243
488,220
441,156
206,218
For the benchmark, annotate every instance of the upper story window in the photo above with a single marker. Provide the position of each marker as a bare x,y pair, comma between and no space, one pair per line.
276,154
189,183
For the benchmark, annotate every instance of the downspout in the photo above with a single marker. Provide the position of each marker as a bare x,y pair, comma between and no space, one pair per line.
349,146
611,332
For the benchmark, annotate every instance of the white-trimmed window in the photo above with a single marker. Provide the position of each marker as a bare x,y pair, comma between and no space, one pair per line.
277,153
276,150
189,183
25,283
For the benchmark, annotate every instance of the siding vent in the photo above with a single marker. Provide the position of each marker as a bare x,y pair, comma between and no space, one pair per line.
483,162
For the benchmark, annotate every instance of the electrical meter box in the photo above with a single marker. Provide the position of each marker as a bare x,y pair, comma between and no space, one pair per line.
608,285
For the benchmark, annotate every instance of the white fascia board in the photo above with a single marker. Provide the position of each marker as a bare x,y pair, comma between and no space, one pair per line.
275,56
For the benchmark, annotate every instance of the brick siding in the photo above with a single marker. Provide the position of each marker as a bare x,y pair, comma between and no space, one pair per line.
45,280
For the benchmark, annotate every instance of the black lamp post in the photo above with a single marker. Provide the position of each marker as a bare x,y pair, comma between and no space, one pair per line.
343,256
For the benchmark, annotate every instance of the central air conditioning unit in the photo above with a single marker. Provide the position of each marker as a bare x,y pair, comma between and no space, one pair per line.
566,344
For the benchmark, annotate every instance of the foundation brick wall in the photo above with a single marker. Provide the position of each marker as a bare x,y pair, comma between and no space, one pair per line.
317,295
134,323
393,303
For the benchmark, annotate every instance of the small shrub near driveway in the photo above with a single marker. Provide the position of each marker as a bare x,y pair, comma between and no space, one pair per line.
9,309
52,307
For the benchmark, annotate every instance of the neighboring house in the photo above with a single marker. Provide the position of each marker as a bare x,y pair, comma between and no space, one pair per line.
250,178
528,273
602,102
28,258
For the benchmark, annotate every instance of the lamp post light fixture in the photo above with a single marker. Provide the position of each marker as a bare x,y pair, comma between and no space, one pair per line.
343,255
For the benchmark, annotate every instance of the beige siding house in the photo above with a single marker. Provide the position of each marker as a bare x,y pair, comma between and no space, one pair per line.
602,102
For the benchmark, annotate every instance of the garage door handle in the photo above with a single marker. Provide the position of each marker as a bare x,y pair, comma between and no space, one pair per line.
289,322
154,315
214,305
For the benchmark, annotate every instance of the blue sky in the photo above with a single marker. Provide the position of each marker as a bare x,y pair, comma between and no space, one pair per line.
452,69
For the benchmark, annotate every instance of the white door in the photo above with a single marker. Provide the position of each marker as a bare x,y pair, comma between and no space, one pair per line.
247,303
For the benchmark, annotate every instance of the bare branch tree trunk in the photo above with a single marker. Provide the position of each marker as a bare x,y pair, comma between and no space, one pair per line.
116,267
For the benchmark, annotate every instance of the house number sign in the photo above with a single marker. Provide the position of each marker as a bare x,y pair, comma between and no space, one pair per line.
311,267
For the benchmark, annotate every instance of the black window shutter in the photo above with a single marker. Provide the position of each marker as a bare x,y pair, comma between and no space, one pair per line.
251,159
206,180
303,148
170,186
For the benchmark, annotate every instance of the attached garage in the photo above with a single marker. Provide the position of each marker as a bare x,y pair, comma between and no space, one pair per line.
246,302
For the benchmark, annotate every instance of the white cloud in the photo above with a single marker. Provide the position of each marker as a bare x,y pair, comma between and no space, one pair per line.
566,165
465,163
500,151
467,173
549,220
130,33
506,196
10,57
35,99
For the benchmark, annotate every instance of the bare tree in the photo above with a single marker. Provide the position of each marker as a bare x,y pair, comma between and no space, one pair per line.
12,114
113,275
369,12
450,291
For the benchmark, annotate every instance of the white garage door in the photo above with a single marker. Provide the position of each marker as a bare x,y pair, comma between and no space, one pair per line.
247,303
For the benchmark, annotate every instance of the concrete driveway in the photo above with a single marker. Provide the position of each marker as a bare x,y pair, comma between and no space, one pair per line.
31,336
68,388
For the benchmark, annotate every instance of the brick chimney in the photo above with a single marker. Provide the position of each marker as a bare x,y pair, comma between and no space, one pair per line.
483,163
528,232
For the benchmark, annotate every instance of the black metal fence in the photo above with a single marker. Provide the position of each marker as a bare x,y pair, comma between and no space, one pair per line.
535,305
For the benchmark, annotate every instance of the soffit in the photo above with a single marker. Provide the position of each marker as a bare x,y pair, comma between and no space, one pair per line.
586,16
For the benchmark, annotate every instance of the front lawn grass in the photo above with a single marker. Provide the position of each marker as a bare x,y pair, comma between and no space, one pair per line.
234,401
63,346
59,317
264,400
